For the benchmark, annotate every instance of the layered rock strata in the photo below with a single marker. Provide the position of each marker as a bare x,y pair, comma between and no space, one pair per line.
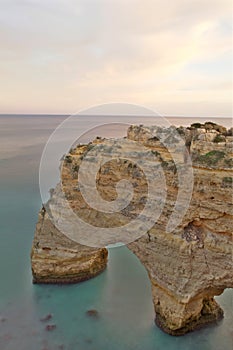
57,259
187,265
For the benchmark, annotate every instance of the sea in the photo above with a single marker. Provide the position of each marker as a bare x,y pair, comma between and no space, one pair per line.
121,294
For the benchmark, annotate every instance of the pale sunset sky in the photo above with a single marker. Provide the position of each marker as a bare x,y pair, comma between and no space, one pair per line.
60,56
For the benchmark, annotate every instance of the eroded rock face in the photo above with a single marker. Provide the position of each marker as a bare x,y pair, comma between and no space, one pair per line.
192,264
188,266
57,259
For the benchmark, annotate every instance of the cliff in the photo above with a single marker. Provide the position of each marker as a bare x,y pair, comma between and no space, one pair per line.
57,259
187,264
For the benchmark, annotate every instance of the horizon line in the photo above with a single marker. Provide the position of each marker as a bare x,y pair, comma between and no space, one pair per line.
109,115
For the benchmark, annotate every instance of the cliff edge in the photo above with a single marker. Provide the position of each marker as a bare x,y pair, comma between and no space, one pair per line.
187,266
57,259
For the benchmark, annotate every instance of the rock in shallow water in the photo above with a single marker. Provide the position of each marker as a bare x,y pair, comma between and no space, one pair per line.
50,327
188,266
46,318
93,313
57,259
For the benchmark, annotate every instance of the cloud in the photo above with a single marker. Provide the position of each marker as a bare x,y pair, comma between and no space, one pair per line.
89,51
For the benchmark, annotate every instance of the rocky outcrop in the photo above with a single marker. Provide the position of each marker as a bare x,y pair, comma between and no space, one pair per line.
192,264
57,259
187,265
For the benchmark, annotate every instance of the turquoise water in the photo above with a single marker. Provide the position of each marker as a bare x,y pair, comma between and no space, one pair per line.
121,294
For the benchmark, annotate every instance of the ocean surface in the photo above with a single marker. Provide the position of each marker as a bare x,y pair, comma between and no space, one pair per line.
121,294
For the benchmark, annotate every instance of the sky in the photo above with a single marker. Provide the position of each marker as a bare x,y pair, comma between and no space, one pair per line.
60,56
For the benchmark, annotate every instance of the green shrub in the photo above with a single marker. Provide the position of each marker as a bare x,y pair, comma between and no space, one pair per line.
181,130
219,138
210,125
227,181
156,153
68,159
211,158
76,168
229,162
197,125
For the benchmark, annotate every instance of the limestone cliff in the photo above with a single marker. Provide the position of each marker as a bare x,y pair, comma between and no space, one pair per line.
187,266
57,259
191,265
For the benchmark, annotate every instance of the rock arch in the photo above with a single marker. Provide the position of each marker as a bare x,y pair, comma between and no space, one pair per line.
186,267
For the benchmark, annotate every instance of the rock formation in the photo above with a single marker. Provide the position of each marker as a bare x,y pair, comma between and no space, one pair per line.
188,265
191,265
57,259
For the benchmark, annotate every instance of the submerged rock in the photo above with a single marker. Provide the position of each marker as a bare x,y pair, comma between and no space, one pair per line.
188,265
93,313
3,319
46,318
50,327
